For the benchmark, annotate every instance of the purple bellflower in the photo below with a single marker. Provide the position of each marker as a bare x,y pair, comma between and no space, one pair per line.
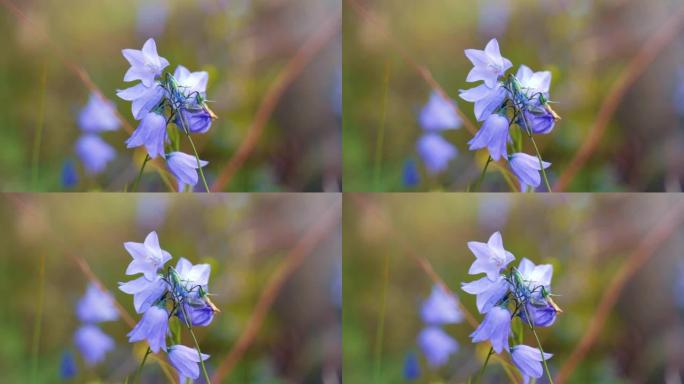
542,315
185,361
493,135
146,64
439,114
527,168
436,152
441,308
495,327
184,168
144,99
488,64
148,257
145,292
487,100
151,133
535,277
488,293
93,343
153,327
94,153
491,257
99,115
96,306
436,345
411,366
528,360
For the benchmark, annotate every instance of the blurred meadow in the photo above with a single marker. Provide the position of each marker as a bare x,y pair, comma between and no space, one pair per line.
617,273
617,71
275,275
278,108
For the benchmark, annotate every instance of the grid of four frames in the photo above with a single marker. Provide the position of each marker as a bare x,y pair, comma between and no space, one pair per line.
205,191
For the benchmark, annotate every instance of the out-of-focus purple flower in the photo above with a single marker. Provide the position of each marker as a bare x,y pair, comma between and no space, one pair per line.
495,327
151,212
199,315
148,257
67,366
678,287
146,64
151,133
436,345
69,174
196,121
494,16
144,99
184,168
540,122
493,135
439,114
410,176
526,168
152,327
152,15
411,366
489,65
542,315
678,97
96,306
93,343
488,293
145,292
440,308
94,153
494,211
491,257
533,83
191,83
487,100
98,115
528,360
186,361
435,152
535,277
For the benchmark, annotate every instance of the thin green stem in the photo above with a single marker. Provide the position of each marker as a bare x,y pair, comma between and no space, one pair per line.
484,366
142,168
199,164
37,326
380,138
194,339
541,350
482,175
139,370
536,149
381,321
38,138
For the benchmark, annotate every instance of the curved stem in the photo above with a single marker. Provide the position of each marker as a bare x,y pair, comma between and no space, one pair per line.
199,164
139,370
484,366
197,347
142,168
541,350
482,175
536,149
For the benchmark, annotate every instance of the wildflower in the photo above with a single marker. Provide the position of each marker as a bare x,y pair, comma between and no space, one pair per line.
145,292
185,361
191,83
96,306
94,153
439,114
191,277
200,315
148,257
196,121
487,100
92,343
493,135
69,174
489,65
526,168
528,360
542,315
67,366
441,308
496,328
436,345
151,133
488,293
491,257
411,176
533,84
534,278
144,99
152,327
539,122
411,366
146,64
184,167
98,115
435,152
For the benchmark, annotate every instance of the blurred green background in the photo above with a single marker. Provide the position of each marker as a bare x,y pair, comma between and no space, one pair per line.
243,44
244,239
586,238
584,43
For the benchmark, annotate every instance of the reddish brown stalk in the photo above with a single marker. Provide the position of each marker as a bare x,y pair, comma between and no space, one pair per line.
290,264
636,67
329,29
668,224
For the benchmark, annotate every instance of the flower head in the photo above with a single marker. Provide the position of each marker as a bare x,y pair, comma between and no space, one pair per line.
488,64
542,315
441,308
439,114
185,361
533,83
540,121
528,360
184,168
145,292
527,168
93,343
200,315
151,133
435,152
98,115
94,153
152,327
144,99
436,345
493,135
148,257
196,120
487,100
96,306
191,83
534,278
495,327
146,64
491,257
488,293
411,366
